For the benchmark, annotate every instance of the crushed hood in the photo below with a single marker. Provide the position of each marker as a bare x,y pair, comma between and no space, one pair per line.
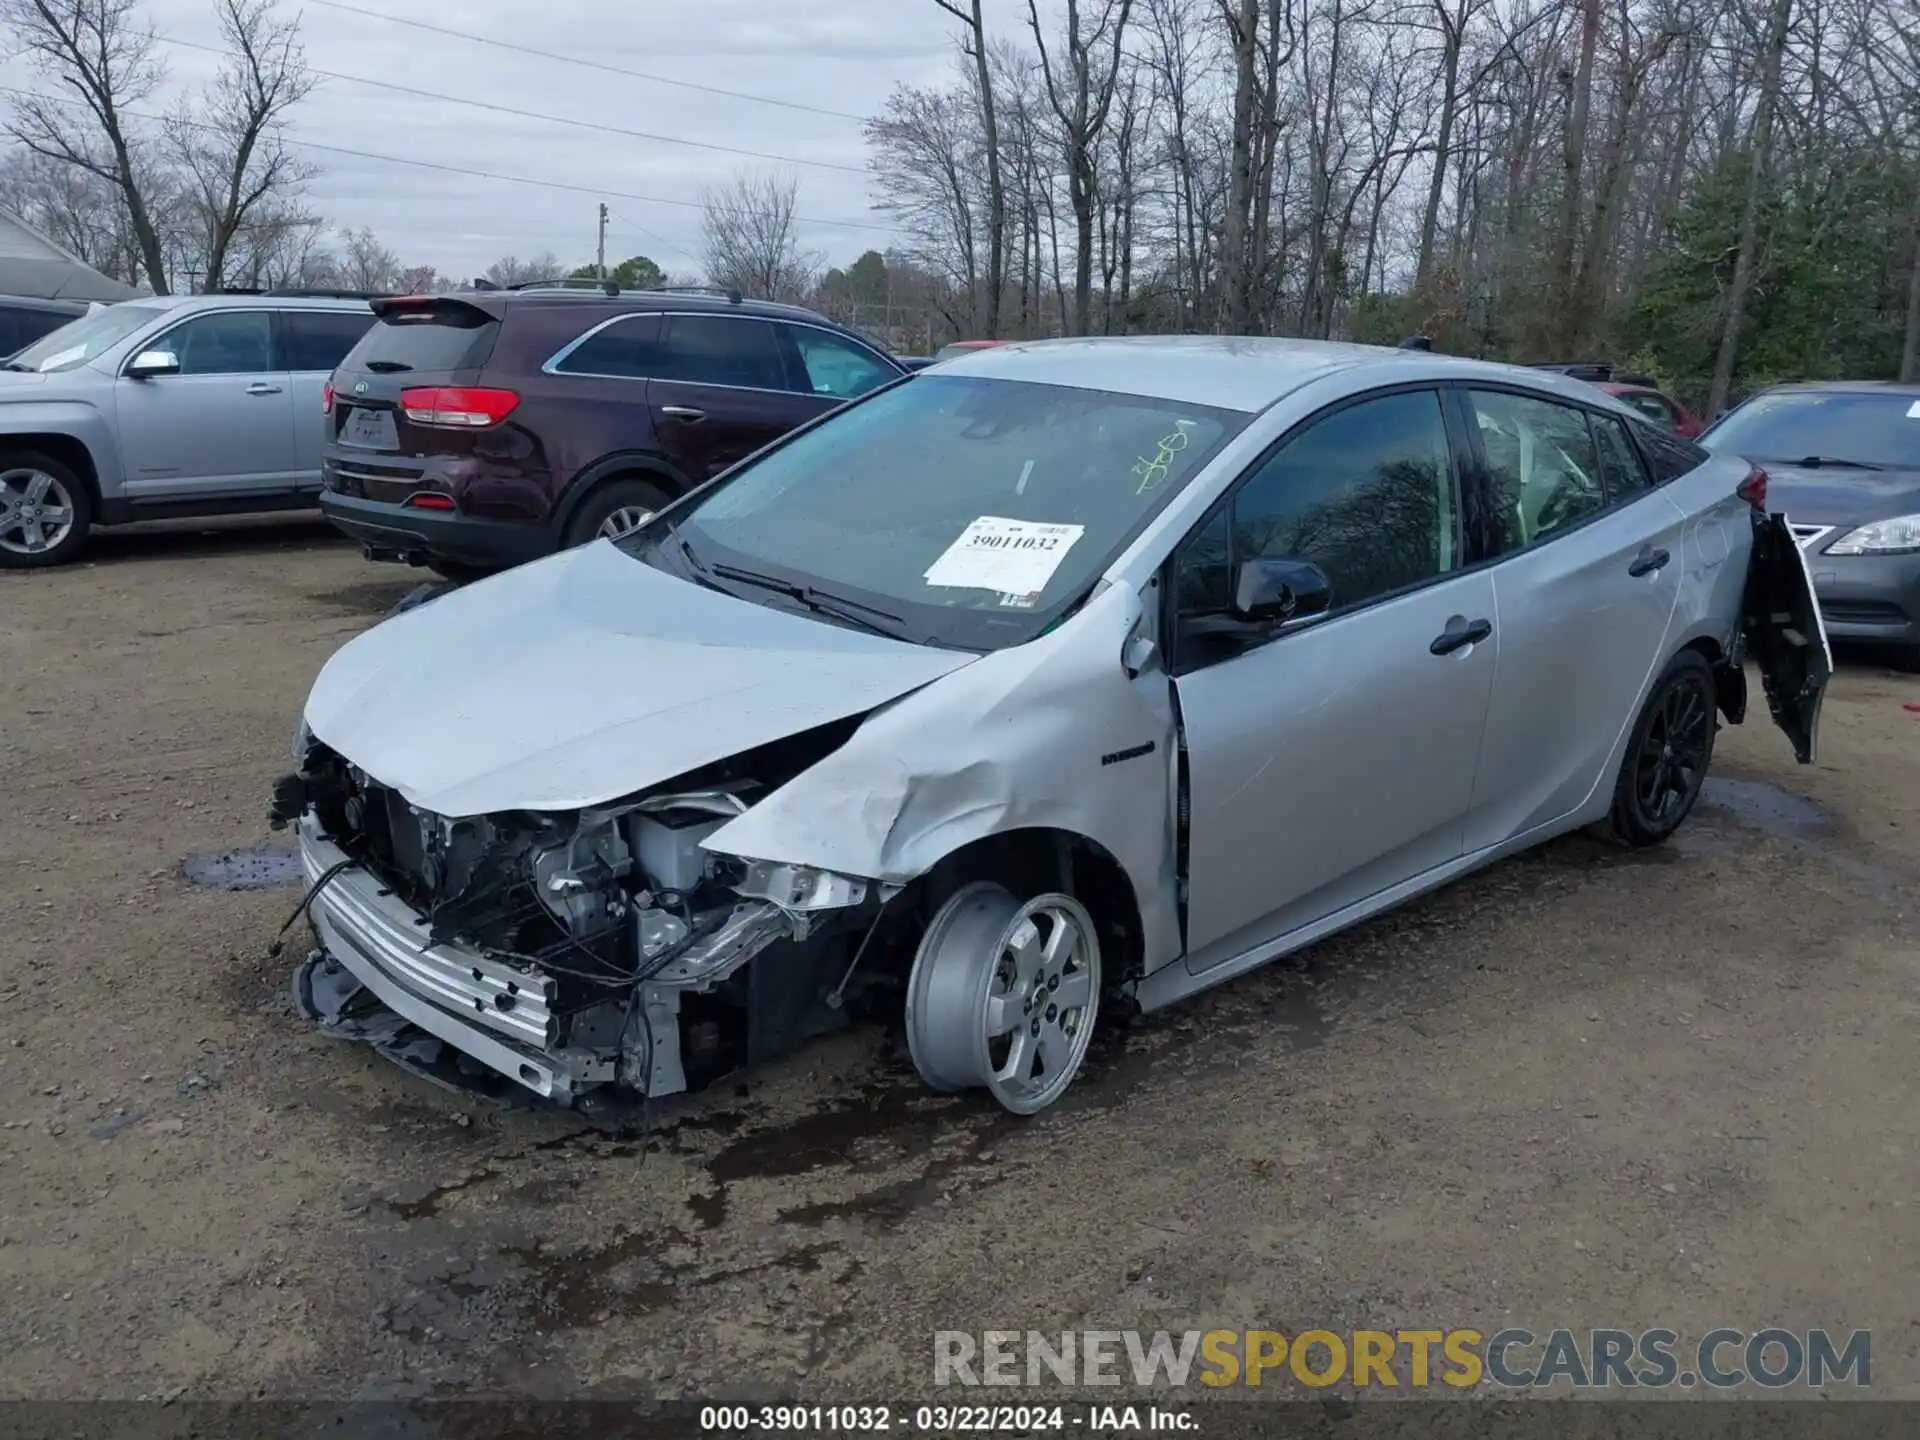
584,677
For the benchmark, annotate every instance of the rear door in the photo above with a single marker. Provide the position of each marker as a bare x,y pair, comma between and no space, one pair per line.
723,391
312,345
221,425
1589,562
1785,634
419,343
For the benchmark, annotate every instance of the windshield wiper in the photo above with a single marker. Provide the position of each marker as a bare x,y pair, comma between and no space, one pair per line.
1830,462
818,601
23,369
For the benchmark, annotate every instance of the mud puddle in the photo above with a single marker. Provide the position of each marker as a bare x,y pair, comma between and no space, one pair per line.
1767,807
267,869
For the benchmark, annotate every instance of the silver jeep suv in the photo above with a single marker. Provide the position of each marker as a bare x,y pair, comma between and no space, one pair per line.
171,406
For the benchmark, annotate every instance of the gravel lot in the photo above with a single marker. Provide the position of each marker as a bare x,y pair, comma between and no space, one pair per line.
1584,1088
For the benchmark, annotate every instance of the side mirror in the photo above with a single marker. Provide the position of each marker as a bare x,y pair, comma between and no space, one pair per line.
150,363
1274,591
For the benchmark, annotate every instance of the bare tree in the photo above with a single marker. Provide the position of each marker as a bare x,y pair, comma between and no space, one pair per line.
230,145
511,270
102,52
749,237
975,48
1081,95
365,263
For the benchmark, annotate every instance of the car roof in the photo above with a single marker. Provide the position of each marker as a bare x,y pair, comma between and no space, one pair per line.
1232,372
676,300
1844,387
238,300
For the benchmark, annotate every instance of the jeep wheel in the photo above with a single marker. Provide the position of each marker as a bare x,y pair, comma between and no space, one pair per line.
615,509
45,512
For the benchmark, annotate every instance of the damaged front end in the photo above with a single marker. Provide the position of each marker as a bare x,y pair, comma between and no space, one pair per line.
575,950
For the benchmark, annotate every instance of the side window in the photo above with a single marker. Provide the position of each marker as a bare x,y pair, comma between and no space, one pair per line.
223,342
834,367
1367,494
1620,466
724,350
320,339
629,349
1542,464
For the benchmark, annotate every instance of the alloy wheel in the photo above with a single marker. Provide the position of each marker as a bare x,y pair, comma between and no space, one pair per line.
1004,995
1671,762
623,521
36,512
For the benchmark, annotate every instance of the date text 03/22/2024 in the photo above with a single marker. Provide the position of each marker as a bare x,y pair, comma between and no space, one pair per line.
943,1419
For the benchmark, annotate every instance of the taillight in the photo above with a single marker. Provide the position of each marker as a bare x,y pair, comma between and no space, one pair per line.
1753,489
455,407
428,500
326,398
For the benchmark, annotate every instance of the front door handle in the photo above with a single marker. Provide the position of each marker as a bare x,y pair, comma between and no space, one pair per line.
685,413
1647,562
260,387
1450,640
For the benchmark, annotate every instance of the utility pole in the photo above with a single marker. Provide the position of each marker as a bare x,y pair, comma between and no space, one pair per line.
600,264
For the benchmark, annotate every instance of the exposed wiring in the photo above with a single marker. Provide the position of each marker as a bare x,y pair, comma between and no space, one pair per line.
305,906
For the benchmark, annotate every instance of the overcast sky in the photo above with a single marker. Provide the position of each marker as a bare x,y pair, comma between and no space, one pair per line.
837,55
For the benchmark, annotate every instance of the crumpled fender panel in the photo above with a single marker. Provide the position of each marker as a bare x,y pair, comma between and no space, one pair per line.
1050,734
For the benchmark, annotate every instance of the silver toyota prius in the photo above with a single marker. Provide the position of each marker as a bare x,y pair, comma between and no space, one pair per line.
1063,677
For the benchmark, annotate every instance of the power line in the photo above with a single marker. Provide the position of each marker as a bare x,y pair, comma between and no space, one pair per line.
598,190
537,115
519,49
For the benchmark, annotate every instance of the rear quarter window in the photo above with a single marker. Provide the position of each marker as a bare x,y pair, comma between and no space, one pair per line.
1668,457
453,336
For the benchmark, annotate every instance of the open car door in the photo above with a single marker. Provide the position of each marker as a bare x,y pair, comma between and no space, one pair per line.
1784,632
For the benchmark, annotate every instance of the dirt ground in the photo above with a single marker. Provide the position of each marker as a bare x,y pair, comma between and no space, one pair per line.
1584,1088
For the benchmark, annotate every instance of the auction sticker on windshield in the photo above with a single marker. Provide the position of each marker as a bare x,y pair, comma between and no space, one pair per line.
1013,557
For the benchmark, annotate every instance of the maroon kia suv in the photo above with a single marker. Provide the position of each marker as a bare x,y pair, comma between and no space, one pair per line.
473,431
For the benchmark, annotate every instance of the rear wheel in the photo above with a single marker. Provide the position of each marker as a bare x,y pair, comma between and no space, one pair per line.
45,512
615,509
1667,754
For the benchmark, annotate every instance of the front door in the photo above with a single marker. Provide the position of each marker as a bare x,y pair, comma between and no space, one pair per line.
1591,559
722,391
221,425
1334,757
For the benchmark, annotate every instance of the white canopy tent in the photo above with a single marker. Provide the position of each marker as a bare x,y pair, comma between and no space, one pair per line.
32,265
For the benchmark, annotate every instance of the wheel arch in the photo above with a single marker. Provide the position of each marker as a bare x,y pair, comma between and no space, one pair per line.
1032,860
68,449
621,465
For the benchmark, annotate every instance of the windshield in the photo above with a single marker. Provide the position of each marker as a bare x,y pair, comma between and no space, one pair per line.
1863,429
84,339
961,511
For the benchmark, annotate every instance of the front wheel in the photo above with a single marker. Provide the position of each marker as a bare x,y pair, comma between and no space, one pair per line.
1003,995
1667,754
45,512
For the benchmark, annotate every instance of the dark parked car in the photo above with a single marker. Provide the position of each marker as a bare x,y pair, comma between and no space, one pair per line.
472,432
1843,465
25,319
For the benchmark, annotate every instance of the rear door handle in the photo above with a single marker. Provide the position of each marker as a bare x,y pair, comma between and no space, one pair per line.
1472,633
1647,562
260,387
683,412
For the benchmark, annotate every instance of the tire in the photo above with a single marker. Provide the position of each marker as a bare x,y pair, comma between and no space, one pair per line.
627,498
1668,753
35,488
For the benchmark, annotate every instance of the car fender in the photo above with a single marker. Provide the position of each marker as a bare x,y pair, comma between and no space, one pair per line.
78,421
1054,734
621,462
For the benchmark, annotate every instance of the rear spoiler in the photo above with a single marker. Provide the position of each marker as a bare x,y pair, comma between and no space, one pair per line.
479,304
